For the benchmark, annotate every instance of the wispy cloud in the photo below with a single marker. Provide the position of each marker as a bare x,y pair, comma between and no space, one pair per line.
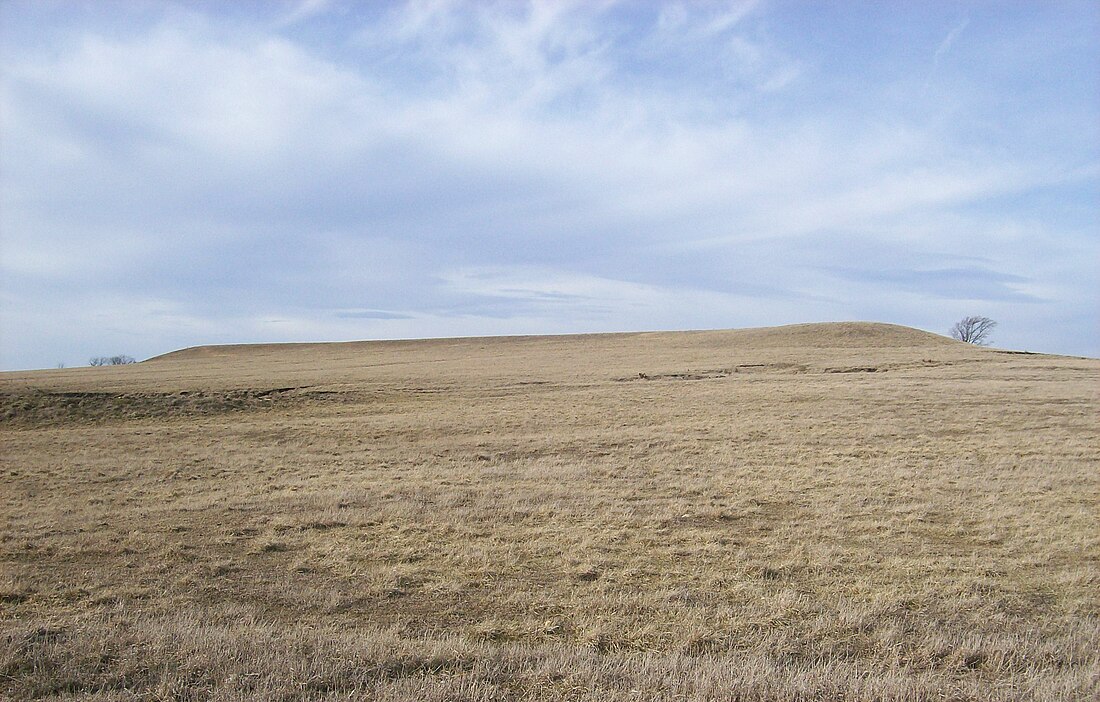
301,11
949,40
944,47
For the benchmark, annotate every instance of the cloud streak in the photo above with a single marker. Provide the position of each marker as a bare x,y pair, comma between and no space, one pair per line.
948,41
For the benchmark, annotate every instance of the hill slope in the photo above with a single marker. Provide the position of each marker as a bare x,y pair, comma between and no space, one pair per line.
495,360
816,335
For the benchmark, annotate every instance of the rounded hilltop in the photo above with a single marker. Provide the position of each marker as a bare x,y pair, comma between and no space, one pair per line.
565,358
810,335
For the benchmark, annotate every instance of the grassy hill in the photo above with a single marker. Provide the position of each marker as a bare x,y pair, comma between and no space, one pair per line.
827,511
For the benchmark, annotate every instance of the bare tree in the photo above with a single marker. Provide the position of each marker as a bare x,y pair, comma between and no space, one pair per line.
120,360
973,330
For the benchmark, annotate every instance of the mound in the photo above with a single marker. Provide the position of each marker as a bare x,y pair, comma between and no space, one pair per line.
840,335
501,361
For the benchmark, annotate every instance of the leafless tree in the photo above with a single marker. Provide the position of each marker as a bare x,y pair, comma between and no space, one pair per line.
119,360
973,330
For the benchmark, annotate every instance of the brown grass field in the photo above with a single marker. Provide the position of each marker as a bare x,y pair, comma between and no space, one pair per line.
819,512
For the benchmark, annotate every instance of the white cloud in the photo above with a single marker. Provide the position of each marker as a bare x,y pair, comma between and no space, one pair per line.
726,19
241,100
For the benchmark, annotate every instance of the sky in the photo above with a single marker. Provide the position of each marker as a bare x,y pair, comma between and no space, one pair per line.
184,173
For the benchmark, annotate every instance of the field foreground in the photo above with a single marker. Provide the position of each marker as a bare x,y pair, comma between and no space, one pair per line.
818,512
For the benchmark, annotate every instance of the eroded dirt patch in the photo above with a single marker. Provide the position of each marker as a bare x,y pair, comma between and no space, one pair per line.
42,407
713,373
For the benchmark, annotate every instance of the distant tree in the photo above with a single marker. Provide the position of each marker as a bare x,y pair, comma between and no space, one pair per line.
119,360
973,330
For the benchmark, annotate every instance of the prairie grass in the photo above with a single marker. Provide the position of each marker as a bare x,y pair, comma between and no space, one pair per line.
825,512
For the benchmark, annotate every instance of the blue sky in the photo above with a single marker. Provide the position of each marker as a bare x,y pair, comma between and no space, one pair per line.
174,174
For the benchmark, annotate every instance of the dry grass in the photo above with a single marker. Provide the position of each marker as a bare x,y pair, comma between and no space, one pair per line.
818,512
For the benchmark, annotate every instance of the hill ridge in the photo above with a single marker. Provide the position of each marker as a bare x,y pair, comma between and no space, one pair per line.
849,334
